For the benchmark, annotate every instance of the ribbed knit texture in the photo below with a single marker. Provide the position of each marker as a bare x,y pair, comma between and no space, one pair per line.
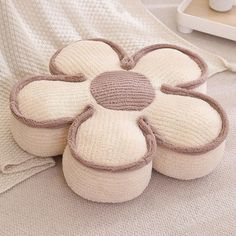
105,186
183,121
39,141
90,57
93,58
122,90
185,167
43,100
167,66
111,138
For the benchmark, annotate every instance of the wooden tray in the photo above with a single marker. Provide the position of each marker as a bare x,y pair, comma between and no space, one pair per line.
197,15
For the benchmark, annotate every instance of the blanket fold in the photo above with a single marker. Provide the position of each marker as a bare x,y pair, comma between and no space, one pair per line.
15,164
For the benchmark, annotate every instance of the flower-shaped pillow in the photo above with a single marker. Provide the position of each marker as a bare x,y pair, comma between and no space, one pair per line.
114,117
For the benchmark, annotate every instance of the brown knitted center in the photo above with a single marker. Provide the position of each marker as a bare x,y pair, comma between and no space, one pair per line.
122,90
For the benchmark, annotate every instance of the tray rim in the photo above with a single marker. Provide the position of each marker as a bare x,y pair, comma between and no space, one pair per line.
225,31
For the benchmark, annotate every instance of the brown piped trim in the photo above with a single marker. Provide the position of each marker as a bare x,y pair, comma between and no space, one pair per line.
147,132
119,50
53,123
54,69
128,62
52,63
203,148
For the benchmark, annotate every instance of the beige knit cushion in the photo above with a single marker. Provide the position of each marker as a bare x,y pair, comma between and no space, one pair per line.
123,116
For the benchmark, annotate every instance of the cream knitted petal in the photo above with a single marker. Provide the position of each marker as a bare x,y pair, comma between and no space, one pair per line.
190,130
88,57
48,98
42,108
107,139
157,67
107,151
183,120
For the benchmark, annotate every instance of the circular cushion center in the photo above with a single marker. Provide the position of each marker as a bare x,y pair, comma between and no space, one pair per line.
122,90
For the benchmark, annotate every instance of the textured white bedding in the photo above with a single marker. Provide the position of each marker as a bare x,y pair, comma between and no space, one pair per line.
44,205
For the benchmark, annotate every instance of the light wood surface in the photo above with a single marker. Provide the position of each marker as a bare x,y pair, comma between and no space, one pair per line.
200,8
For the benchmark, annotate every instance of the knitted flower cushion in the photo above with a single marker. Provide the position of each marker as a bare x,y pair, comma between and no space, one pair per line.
114,117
